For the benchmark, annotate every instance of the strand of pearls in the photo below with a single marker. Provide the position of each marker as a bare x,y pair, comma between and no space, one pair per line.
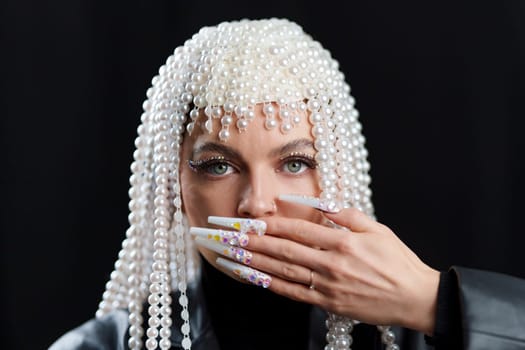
140,178
183,260
327,134
159,315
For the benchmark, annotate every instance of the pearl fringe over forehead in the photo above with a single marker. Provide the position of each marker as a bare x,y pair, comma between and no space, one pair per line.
228,69
223,72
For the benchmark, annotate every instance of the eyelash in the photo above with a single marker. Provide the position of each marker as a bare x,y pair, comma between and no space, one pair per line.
202,165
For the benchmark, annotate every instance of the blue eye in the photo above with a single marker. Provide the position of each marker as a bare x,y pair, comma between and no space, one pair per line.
218,168
295,166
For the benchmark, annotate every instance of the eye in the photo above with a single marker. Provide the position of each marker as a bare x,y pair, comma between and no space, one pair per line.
297,165
214,166
218,168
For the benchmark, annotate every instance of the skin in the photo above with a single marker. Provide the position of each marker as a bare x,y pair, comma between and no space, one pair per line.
367,274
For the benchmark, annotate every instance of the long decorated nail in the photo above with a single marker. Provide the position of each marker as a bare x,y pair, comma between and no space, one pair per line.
234,238
246,273
241,255
326,206
242,225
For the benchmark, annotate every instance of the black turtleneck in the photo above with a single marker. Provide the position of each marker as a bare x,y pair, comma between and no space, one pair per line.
250,317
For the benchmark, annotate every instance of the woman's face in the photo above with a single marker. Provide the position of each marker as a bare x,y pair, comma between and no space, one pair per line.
244,176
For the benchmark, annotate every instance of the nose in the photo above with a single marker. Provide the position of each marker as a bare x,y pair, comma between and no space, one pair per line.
257,198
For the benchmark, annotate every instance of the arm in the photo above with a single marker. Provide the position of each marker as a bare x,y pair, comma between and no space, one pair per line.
492,307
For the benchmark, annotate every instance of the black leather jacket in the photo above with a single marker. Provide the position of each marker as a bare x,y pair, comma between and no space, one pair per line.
492,312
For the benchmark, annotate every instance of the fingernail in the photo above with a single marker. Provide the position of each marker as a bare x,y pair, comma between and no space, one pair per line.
246,273
243,225
326,206
233,238
239,254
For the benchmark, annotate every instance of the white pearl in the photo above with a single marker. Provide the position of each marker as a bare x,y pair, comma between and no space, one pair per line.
208,125
270,123
286,128
135,318
153,299
242,124
151,344
226,120
186,343
268,109
224,134
166,321
134,343
318,130
165,344
165,332
135,331
315,117
154,322
152,332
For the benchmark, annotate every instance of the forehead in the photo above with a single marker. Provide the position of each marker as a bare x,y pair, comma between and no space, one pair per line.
256,138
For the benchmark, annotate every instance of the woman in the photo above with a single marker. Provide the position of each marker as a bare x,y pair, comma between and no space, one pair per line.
250,155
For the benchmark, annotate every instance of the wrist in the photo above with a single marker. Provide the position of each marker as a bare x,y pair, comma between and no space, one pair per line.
423,304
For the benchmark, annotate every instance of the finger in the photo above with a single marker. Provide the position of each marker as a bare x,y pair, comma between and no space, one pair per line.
285,250
245,273
277,285
239,254
298,292
234,238
243,225
305,232
353,219
282,269
291,290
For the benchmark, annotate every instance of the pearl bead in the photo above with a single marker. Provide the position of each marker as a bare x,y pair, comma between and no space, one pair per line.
135,318
388,336
134,343
186,343
151,344
226,120
315,118
286,128
165,344
242,124
268,109
152,332
165,332
166,321
135,331
270,123
224,134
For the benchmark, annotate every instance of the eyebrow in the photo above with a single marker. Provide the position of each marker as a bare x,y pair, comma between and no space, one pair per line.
229,152
292,146
216,147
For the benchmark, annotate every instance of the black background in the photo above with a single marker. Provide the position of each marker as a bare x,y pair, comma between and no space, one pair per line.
440,87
